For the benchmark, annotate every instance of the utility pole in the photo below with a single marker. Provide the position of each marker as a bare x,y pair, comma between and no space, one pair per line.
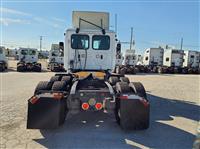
131,38
41,42
181,43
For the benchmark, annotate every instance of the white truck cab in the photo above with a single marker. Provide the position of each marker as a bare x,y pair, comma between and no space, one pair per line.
28,55
90,45
191,59
130,57
173,58
3,59
153,57
28,60
56,58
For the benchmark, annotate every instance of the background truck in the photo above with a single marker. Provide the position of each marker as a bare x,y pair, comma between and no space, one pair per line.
191,60
130,59
3,59
88,85
153,57
56,62
28,60
172,61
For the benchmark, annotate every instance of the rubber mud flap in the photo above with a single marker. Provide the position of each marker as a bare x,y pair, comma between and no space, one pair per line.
134,115
46,113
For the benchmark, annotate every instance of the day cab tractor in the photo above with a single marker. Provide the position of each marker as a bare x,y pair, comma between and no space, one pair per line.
56,55
28,60
3,59
88,85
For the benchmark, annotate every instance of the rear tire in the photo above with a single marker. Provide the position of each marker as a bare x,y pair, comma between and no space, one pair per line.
37,68
67,79
20,67
138,89
124,79
131,113
123,71
55,78
113,80
59,86
160,70
122,87
2,68
42,86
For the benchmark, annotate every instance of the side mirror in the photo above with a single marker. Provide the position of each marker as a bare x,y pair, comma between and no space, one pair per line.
103,31
118,49
61,46
77,30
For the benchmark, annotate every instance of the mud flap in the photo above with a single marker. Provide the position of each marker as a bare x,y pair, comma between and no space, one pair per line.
134,114
46,113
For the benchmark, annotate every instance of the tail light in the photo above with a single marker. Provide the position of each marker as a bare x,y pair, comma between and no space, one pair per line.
85,106
58,96
144,102
98,106
34,99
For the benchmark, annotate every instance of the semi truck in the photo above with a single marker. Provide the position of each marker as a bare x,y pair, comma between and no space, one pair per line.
130,60
3,59
153,58
28,60
56,54
191,60
89,84
172,61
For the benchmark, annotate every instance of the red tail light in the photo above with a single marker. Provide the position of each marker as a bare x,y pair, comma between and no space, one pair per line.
144,102
85,106
58,96
98,106
34,99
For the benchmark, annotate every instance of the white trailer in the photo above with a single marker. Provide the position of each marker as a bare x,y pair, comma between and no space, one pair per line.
28,60
3,59
88,85
56,61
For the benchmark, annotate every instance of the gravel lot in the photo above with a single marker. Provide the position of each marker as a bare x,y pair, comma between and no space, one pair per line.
175,114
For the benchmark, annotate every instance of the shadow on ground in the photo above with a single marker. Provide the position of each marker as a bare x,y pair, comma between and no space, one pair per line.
99,130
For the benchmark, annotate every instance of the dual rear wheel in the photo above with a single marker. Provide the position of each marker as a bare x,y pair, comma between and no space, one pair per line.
131,113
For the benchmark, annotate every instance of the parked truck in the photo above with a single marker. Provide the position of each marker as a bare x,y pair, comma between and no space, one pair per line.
88,85
153,58
130,60
191,60
28,60
172,61
3,59
56,62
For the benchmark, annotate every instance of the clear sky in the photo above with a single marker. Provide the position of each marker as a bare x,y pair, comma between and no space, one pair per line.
154,23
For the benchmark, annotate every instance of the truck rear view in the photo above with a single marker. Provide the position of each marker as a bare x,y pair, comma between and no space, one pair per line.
88,84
